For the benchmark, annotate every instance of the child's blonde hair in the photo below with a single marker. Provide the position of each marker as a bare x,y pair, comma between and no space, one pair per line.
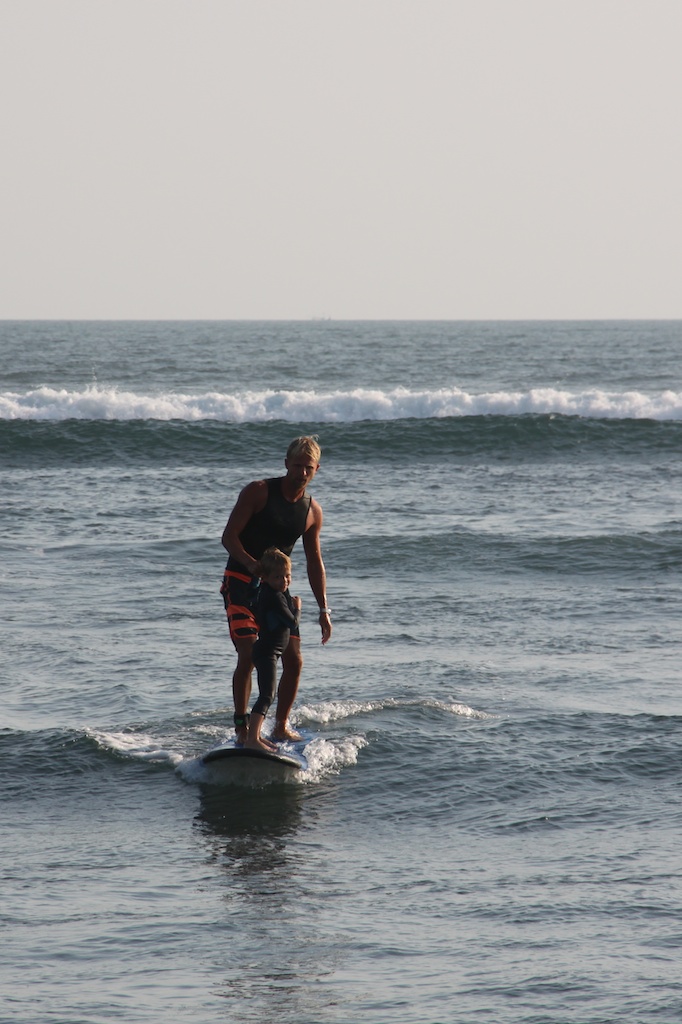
273,560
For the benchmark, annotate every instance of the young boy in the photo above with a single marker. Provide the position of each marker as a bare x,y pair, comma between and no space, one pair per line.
277,612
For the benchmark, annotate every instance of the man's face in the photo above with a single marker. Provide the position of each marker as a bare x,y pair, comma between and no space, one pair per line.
301,469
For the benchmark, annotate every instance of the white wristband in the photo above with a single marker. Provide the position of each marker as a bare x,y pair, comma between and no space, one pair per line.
325,611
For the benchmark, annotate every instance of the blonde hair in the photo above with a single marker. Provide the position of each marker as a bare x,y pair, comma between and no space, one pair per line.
308,446
273,560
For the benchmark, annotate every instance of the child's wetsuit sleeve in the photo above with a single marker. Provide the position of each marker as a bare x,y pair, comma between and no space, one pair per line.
289,615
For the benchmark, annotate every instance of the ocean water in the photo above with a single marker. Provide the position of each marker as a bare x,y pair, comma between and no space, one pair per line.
489,829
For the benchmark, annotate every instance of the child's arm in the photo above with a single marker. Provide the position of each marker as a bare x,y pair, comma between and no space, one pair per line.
289,609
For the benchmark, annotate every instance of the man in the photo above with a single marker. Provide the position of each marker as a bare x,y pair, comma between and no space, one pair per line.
272,513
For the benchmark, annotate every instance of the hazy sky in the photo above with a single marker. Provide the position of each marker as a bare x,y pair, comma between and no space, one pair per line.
446,159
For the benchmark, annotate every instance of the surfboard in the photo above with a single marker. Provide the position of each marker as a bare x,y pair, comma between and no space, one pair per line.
246,754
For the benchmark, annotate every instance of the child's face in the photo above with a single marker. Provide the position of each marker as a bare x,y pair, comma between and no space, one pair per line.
279,579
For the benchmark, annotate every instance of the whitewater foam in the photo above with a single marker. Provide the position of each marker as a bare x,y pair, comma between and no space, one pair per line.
137,746
101,403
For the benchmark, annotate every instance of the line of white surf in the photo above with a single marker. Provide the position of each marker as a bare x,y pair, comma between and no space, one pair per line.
110,403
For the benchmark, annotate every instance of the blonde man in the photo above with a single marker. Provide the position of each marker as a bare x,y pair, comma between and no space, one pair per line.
272,513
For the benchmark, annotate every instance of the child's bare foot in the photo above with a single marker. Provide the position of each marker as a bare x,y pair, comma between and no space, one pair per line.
260,744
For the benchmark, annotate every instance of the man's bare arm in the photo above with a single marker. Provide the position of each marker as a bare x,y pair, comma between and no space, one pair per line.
317,575
251,500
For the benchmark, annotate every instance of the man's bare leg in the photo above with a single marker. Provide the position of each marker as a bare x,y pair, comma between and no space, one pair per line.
292,663
241,682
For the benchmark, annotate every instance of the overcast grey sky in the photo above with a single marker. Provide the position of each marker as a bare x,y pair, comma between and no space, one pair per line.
344,158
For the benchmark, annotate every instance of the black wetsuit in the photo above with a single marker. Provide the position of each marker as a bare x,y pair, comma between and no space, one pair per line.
277,616
279,524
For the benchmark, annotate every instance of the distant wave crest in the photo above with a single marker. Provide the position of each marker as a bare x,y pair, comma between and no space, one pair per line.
100,403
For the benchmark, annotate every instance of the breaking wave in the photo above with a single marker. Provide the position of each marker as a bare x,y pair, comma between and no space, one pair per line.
101,403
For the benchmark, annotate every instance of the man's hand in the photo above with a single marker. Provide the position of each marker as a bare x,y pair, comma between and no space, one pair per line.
325,626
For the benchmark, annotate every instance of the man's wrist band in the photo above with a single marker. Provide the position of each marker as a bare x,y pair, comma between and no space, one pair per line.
325,611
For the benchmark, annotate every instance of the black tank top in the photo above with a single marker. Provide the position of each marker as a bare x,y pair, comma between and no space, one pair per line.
279,524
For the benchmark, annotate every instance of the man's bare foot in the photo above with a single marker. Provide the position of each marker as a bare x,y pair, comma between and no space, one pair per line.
283,732
260,744
241,735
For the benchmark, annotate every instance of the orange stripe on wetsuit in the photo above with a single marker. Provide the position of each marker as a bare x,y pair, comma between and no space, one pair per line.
238,594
